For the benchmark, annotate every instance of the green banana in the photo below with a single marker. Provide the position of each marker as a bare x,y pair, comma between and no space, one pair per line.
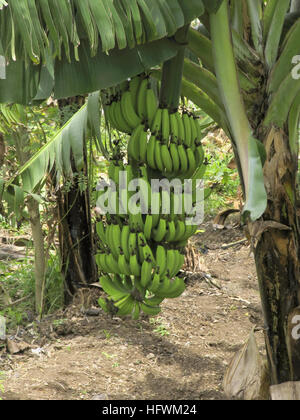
181,131
134,265
155,212
150,310
147,252
112,263
111,112
143,142
177,287
153,300
180,231
100,229
171,262
164,286
151,105
136,222
158,156
146,272
128,111
116,238
183,159
193,130
145,190
134,86
187,129
175,157
171,232
148,226
161,260
165,126
156,123
133,146
101,262
125,241
122,124
191,162
166,158
150,156
180,259
112,289
155,283
125,306
132,243
174,126
123,265
141,99
159,233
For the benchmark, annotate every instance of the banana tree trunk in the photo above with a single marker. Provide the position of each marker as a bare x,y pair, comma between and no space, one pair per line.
75,237
75,227
276,242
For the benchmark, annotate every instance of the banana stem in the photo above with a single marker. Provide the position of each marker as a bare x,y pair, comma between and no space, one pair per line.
172,72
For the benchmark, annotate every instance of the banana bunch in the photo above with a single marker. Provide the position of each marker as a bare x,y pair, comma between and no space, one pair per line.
134,103
142,251
124,298
171,144
132,270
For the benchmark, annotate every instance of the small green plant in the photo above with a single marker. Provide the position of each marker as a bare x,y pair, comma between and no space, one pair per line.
107,334
161,329
108,356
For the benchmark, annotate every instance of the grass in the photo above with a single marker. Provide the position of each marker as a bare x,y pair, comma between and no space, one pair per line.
17,280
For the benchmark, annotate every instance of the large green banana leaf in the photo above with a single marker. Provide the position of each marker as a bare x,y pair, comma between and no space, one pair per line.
76,47
26,82
66,143
27,27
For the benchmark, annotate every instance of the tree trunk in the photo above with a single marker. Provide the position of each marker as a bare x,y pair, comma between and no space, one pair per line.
276,242
39,253
76,240
75,227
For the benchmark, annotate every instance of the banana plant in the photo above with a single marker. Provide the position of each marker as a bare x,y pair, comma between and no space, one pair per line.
245,79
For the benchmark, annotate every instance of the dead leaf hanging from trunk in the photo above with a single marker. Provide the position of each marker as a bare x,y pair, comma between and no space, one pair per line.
246,377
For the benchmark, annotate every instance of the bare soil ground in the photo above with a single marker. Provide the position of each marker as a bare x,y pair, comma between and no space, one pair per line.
181,354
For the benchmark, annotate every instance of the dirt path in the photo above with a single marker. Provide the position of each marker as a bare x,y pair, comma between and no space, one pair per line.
182,354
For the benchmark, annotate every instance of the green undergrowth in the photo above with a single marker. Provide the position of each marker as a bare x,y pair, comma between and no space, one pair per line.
222,181
17,284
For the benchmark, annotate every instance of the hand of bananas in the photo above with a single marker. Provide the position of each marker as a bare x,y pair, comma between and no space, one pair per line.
141,253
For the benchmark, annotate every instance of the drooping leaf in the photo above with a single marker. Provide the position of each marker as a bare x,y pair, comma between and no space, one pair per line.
58,150
108,23
90,74
241,131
